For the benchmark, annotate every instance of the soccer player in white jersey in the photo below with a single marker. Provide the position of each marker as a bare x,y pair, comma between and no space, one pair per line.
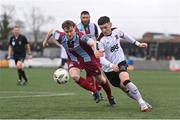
113,60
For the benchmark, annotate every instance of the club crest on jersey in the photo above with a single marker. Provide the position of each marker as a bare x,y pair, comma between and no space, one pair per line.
13,43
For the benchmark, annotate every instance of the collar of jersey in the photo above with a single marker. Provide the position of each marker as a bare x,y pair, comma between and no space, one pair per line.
74,37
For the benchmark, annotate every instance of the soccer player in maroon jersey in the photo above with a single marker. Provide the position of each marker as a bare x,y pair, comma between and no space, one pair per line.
90,29
80,55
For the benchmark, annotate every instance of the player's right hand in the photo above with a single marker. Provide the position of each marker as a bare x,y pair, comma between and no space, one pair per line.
45,44
143,45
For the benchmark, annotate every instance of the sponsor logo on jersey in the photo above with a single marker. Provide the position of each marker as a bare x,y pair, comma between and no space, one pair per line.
114,48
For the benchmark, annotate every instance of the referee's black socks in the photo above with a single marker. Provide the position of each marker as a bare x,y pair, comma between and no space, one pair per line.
21,74
24,75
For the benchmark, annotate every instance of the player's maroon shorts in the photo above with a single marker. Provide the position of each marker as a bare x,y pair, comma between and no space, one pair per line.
92,67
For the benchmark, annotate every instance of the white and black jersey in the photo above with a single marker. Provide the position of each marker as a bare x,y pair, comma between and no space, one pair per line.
112,48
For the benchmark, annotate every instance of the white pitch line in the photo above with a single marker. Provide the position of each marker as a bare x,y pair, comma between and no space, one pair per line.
28,92
48,95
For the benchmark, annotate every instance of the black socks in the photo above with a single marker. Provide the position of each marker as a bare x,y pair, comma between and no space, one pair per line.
21,74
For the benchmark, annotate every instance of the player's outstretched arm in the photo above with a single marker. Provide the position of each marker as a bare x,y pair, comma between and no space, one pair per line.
132,40
128,38
48,36
50,39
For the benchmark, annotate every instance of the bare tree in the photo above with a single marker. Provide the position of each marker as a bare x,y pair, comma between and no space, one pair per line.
8,12
36,20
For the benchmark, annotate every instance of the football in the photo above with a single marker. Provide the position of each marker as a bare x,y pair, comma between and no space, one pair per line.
61,76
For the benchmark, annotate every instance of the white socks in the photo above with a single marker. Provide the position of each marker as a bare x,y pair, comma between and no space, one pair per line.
134,92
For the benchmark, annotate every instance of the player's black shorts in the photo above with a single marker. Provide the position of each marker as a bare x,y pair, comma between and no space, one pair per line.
19,57
113,77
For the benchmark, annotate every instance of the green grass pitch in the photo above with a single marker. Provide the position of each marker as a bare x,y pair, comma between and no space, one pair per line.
42,98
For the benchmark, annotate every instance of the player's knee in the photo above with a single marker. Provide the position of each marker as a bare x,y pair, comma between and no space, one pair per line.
19,65
124,76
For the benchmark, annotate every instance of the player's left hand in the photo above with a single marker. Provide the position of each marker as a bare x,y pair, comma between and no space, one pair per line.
143,45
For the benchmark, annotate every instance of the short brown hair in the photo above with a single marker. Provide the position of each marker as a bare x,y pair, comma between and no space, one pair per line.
67,24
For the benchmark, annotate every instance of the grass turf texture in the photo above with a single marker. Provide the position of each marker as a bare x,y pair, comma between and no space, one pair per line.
43,98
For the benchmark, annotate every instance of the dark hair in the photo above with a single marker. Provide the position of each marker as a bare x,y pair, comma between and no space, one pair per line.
104,19
85,13
67,24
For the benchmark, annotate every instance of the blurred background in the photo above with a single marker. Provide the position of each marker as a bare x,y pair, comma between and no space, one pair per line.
156,22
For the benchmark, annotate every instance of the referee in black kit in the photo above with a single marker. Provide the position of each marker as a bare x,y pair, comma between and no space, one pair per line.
18,45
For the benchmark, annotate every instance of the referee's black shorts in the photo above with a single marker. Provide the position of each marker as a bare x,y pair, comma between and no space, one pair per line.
19,57
113,77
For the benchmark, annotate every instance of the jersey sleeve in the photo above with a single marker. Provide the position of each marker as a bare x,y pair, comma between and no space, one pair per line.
126,37
99,45
121,34
105,62
83,37
56,34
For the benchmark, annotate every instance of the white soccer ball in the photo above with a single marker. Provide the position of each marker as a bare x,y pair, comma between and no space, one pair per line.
61,76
